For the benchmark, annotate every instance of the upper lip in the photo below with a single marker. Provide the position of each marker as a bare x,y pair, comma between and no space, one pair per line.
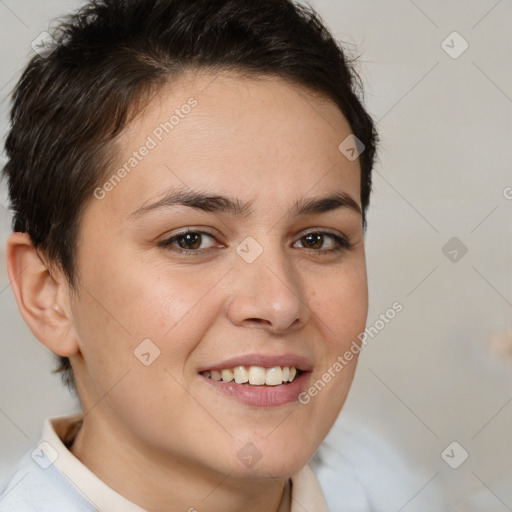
266,361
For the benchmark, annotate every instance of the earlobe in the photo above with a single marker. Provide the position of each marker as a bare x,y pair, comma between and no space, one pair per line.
42,296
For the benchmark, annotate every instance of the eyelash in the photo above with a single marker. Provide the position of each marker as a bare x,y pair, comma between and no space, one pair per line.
342,243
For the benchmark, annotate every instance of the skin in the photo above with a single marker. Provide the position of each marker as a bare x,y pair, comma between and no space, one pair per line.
260,140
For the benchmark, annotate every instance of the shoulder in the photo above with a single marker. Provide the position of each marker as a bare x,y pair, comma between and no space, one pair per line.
35,488
359,470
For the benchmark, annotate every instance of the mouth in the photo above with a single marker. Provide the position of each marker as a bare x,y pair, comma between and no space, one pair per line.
255,375
257,380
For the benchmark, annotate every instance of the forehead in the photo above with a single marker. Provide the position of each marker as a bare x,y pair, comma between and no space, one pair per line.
242,135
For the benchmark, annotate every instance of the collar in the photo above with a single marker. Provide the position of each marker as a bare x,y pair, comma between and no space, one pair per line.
302,491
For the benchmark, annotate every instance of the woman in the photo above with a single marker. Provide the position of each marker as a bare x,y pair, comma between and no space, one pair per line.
189,181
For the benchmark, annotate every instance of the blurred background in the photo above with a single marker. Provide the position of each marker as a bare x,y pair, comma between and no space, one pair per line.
435,383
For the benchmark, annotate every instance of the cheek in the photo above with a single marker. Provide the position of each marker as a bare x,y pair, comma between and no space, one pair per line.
340,305
156,302
340,302
174,311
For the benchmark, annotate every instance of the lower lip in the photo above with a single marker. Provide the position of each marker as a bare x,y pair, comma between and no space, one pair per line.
261,396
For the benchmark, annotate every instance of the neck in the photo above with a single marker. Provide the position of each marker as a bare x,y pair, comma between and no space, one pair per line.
159,483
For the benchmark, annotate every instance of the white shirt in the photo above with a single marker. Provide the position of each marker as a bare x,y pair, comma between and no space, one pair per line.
51,479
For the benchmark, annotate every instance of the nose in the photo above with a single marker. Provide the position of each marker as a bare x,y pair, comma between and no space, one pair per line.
268,294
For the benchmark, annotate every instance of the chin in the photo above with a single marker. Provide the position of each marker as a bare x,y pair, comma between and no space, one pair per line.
271,462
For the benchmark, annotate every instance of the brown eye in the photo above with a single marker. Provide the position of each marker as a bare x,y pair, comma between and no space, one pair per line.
189,242
324,242
313,241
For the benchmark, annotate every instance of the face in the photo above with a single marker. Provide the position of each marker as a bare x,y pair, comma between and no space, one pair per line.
231,247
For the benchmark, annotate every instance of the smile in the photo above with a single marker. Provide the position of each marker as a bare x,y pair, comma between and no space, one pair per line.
255,375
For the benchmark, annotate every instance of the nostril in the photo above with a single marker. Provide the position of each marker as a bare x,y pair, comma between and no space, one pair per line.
258,321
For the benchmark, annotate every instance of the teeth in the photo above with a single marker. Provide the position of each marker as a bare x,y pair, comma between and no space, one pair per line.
241,375
255,375
227,375
274,376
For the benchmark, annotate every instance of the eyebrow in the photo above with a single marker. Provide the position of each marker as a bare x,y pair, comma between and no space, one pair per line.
233,206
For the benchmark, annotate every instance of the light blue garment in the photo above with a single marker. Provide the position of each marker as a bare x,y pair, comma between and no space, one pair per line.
33,488
359,471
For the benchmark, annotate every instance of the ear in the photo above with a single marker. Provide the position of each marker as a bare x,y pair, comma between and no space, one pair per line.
43,297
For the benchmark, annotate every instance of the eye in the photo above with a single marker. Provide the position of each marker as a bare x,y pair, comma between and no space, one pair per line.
189,242
321,241
195,243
